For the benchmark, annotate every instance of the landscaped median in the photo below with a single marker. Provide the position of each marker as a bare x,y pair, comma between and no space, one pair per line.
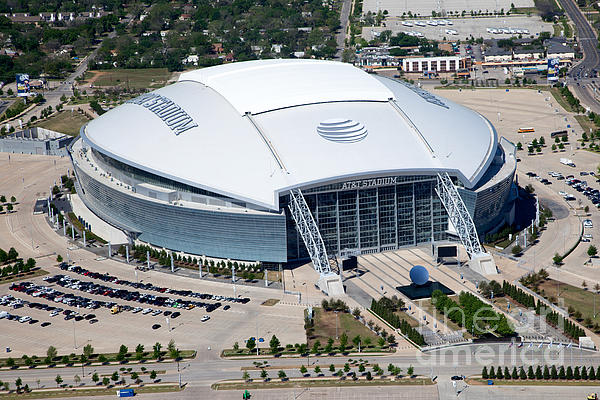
85,391
312,382
538,375
90,358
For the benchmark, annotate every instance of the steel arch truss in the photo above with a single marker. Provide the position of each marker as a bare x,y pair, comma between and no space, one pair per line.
458,214
309,231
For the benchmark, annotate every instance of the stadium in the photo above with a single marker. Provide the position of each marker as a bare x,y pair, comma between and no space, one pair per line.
284,160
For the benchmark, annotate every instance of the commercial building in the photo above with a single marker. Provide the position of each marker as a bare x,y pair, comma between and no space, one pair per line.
281,160
36,141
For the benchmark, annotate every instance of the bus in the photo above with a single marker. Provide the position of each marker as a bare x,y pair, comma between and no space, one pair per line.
526,130
559,134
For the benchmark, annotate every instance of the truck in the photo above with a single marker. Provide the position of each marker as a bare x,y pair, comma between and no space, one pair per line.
567,161
125,393
115,309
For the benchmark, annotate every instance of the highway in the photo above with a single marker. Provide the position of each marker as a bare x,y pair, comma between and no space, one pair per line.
584,71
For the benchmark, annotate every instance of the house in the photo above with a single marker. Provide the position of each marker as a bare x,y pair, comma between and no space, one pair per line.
185,17
431,64
191,59
528,53
217,48
558,48
276,48
497,54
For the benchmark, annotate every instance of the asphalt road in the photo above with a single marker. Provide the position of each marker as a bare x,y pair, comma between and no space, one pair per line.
341,35
65,88
583,72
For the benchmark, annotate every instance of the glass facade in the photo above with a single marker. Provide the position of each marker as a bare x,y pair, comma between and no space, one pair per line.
373,216
222,234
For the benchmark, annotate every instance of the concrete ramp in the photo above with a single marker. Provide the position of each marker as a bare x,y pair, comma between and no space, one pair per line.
484,264
331,284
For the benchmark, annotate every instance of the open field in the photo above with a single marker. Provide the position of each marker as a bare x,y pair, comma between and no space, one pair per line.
576,297
129,78
68,122
325,328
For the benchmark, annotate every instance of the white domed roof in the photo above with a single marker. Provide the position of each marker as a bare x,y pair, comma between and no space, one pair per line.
252,130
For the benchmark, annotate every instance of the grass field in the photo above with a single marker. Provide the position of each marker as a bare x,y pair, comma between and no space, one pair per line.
585,123
582,300
560,100
426,305
130,78
65,122
25,275
325,328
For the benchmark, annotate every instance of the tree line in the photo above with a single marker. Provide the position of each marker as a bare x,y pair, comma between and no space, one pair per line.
382,309
545,373
518,295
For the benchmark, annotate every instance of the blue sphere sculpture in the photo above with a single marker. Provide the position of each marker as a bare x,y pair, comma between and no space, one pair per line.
419,275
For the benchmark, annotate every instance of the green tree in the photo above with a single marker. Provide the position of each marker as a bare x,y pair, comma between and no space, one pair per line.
251,344
18,384
329,346
156,350
343,342
516,249
51,352
246,376
569,373
153,374
139,352
115,376
317,370
561,372
303,369
592,251
553,373
316,347
484,372
13,199
95,378
492,373
530,373
506,373
356,340
264,374
522,374
102,358
274,344
410,371
105,381
281,374
88,350
361,368
58,380
514,374
332,368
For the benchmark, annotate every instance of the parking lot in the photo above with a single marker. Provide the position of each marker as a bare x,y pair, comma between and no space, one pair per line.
465,27
425,7
509,111
33,237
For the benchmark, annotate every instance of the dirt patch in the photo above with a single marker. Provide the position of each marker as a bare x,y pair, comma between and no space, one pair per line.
270,302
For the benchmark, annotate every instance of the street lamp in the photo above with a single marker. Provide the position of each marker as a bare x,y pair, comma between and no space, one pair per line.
336,324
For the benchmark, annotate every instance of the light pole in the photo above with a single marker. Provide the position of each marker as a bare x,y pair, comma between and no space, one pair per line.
336,325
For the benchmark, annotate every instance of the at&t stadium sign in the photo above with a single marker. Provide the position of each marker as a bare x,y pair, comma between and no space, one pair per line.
164,108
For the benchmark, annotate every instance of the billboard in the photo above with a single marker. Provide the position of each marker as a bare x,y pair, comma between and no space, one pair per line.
553,67
22,85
